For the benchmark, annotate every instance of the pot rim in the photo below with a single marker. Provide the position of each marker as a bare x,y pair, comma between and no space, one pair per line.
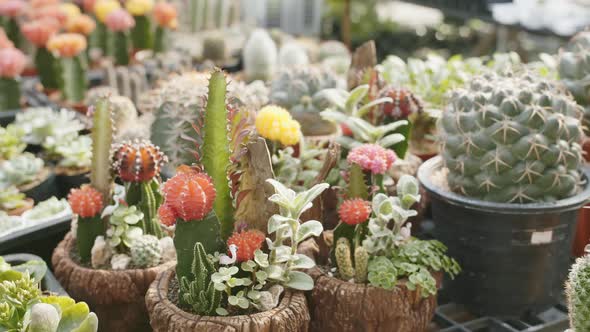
567,204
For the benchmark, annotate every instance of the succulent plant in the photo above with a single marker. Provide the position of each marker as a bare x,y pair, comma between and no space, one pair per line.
46,209
72,65
75,153
20,170
11,141
141,33
578,293
38,123
260,56
123,230
165,17
199,291
574,71
38,33
512,139
119,22
146,251
292,54
87,204
11,199
276,124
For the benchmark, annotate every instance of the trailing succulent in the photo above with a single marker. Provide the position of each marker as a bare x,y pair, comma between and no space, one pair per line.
578,294
574,71
299,90
512,139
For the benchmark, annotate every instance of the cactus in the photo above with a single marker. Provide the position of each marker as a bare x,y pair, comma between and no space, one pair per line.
215,151
260,56
578,293
298,90
165,17
512,139
214,47
141,34
10,94
119,22
87,203
21,170
199,291
357,187
72,80
361,264
102,138
138,165
45,63
344,259
574,71
146,251
12,64
292,54
11,141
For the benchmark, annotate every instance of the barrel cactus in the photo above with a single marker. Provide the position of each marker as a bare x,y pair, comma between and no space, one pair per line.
512,139
578,294
299,90
146,251
574,70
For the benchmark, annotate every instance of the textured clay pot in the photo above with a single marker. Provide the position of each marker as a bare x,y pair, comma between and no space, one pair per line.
291,315
339,306
117,297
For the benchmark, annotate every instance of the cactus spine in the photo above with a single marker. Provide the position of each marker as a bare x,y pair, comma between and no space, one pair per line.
215,150
102,138
199,291
578,294
72,79
10,94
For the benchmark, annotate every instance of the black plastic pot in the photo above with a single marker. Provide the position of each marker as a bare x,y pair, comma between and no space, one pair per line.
66,182
43,190
7,117
515,257
49,282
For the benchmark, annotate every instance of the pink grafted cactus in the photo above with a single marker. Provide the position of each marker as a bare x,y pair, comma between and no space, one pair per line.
12,62
39,31
12,8
372,157
119,20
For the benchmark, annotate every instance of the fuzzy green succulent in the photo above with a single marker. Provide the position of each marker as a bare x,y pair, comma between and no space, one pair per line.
146,251
11,142
123,230
20,170
512,139
578,293
574,71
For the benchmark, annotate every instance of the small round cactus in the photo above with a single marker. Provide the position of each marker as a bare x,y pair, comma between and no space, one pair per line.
190,195
276,124
578,293
247,242
512,139
372,158
138,161
86,202
404,103
354,211
146,251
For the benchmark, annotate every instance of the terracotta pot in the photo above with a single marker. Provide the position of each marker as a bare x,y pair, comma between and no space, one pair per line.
291,314
338,306
117,297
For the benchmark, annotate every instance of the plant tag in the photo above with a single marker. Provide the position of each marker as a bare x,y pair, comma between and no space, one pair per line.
541,237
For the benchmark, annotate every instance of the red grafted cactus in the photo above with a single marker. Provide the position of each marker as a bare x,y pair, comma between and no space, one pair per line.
190,195
247,243
86,202
354,211
404,102
138,161
166,215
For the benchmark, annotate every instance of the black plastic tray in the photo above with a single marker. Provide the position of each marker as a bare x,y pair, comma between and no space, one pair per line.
39,239
49,282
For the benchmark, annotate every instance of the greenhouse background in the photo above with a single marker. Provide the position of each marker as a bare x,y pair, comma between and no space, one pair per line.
295,165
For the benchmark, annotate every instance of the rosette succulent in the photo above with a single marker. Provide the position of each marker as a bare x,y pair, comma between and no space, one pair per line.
11,142
512,139
38,123
20,170
123,230
11,199
47,209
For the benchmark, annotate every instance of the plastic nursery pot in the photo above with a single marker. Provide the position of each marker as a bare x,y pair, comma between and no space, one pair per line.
514,257
68,179
48,283
337,305
117,297
291,315
42,189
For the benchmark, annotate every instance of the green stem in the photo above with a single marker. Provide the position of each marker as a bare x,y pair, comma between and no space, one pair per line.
72,79
160,40
378,181
100,37
87,231
120,47
102,137
9,94
13,32
141,34
46,68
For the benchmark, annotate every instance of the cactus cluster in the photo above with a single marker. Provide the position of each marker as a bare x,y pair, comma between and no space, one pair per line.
146,251
574,72
578,293
512,139
199,291
346,268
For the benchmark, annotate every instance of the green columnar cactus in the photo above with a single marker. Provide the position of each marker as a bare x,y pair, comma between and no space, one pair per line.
214,48
361,264
344,259
88,229
160,39
146,196
578,293
72,78
12,29
99,37
10,94
121,47
216,152
199,292
45,63
146,251
512,139
357,187
260,56
102,138
141,33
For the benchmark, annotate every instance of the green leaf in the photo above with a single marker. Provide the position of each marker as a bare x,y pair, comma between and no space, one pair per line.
303,262
73,316
402,147
299,281
308,229
90,324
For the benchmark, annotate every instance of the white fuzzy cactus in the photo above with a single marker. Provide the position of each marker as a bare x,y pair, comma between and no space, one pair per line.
260,56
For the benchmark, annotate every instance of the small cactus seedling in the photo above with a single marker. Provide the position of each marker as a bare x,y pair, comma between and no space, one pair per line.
38,33
72,65
578,293
87,203
119,22
12,64
138,165
199,291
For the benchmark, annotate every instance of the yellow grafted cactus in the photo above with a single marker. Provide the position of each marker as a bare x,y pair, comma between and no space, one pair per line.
276,124
139,7
103,8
